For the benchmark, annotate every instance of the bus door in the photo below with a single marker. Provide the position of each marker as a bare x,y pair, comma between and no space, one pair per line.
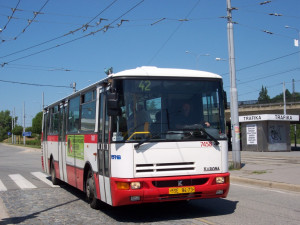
62,143
45,142
103,152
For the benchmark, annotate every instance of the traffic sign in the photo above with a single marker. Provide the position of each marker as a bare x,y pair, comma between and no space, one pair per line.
26,134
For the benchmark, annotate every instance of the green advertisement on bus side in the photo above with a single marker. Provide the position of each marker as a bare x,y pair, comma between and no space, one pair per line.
76,146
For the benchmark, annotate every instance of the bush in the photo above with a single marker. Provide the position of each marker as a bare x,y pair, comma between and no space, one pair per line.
33,142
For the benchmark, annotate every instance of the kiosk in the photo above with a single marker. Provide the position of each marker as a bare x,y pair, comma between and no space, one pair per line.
266,132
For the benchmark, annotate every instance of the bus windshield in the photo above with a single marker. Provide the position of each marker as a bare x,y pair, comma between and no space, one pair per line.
168,110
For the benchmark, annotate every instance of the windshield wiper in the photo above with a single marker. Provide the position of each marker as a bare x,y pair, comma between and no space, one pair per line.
211,137
136,146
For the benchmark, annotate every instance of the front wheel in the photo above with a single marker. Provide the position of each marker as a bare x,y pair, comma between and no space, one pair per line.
54,180
91,190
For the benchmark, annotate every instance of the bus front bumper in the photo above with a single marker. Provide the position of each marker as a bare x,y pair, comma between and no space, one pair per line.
163,189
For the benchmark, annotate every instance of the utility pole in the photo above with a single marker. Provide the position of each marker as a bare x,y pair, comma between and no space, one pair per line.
284,101
74,87
293,81
24,140
295,125
14,139
235,127
12,127
43,101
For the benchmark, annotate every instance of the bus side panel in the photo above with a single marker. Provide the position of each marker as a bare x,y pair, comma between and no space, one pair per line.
96,176
122,164
83,151
71,175
45,157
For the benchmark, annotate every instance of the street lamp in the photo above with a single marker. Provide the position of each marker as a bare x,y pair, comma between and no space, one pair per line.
296,43
197,57
298,31
220,59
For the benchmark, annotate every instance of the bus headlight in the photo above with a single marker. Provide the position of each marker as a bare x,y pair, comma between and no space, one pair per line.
135,185
220,180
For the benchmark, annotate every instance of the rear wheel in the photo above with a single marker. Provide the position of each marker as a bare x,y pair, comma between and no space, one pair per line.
91,190
53,174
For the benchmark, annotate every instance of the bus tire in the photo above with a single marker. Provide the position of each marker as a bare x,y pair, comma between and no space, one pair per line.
91,190
53,174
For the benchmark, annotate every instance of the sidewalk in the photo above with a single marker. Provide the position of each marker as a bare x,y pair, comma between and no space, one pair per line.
280,170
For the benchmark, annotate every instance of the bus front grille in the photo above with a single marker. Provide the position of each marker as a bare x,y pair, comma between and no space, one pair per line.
165,167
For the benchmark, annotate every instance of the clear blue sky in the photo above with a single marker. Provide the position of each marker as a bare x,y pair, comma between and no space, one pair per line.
146,39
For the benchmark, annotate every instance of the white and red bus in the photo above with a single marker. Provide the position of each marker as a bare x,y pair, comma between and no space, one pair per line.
138,136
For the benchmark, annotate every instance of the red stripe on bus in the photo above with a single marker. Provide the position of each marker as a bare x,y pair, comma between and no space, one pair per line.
90,138
52,138
75,176
56,167
71,175
96,176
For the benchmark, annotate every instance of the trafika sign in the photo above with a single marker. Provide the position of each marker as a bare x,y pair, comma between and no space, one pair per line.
272,117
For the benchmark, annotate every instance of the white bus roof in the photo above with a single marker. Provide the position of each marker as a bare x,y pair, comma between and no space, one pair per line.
168,72
147,71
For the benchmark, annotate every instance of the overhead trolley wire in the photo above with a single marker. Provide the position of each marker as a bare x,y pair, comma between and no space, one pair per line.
32,84
172,34
263,77
61,36
264,62
104,28
11,16
32,20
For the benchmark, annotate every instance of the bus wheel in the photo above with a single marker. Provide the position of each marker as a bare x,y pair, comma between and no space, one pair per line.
53,175
91,190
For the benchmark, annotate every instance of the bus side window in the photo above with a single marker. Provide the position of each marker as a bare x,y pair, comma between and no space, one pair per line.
73,120
88,111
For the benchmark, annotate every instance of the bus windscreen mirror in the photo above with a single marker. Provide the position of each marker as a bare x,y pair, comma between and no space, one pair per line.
113,108
112,101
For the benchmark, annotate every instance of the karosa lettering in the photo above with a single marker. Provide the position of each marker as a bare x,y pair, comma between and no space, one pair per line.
213,168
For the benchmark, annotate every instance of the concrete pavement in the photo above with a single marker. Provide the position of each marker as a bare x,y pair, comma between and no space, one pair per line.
280,170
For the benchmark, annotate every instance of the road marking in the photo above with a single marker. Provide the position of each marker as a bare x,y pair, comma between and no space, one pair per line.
21,181
205,221
2,187
43,177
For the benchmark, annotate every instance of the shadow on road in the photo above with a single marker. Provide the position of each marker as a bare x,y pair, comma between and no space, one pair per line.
144,213
167,211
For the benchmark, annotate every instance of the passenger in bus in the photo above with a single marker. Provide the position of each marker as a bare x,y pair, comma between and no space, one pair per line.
138,118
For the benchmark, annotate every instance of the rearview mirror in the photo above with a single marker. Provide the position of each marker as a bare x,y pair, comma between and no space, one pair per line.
113,108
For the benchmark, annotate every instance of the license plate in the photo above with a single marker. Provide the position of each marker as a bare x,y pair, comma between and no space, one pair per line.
181,190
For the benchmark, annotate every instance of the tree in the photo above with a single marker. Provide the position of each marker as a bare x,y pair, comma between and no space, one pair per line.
279,98
263,96
37,123
5,124
18,130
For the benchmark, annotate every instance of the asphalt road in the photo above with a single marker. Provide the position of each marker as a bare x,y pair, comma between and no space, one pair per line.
66,205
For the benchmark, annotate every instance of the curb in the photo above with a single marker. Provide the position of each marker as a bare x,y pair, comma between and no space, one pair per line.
24,147
268,184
